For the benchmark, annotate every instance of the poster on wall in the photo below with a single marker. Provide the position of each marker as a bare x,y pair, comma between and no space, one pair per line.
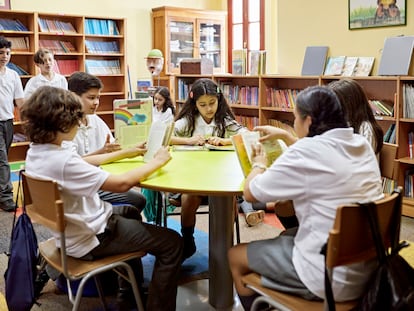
376,13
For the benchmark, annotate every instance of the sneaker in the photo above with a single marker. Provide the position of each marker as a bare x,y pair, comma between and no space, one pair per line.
189,248
8,205
254,218
174,199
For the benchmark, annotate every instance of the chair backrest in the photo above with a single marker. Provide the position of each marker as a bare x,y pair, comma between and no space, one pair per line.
350,239
43,203
387,158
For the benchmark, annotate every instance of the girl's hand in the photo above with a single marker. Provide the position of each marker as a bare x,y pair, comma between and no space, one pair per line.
258,154
216,141
268,132
196,140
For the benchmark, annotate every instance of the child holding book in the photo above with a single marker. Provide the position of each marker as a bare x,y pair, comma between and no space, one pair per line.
94,136
204,118
95,228
11,91
308,174
45,61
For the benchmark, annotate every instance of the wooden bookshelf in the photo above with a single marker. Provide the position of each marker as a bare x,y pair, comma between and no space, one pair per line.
80,43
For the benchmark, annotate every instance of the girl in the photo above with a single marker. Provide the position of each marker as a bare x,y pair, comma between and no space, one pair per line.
204,118
163,109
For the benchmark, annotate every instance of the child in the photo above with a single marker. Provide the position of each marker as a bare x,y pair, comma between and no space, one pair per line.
45,61
163,109
204,117
94,136
11,89
308,173
95,228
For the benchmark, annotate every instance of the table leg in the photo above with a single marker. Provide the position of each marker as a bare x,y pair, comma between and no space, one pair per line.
221,218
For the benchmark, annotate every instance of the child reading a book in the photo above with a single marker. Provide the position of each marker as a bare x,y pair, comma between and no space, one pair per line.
94,136
163,109
204,118
45,61
11,91
95,228
308,174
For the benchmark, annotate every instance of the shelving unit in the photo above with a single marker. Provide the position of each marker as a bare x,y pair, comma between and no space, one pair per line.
188,33
269,111
86,43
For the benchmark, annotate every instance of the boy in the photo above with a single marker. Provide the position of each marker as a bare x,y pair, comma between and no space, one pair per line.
45,61
11,89
94,136
94,228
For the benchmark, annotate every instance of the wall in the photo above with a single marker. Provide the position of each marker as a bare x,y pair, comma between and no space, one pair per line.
325,22
138,14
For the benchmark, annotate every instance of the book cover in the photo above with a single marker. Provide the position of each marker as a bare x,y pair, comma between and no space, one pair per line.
349,66
314,60
132,120
243,142
159,136
396,56
334,66
364,66
239,60
254,62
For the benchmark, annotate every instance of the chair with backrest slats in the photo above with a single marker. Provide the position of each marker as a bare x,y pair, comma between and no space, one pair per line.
387,157
45,207
351,225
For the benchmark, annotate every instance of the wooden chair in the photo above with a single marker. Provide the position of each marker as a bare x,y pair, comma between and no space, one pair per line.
44,206
387,157
349,242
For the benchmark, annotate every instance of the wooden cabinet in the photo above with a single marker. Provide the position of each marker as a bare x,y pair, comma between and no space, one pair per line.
80,43
187,33
275,102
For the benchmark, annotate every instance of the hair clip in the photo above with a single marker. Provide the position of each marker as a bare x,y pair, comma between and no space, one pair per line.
218,89
191,95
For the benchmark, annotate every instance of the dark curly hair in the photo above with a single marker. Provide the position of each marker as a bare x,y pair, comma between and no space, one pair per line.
165,92
324,108
189,110
50,110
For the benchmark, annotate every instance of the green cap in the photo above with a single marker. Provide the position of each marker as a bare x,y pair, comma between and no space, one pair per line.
155,53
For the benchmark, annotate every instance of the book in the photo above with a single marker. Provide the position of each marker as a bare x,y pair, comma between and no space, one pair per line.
396,56
257,62
159,136
239,60
243,142
314,60
349,66
334,66
132,120
364,66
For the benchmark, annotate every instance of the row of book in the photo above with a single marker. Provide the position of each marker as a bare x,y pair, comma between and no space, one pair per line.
390,134
102,47
66,66
8,24
243,95
19,43
349,66
388,185
249,122
256,64
101,27
20,71
56,26
408,101
57,46
281,98
409,184
381,107
103,67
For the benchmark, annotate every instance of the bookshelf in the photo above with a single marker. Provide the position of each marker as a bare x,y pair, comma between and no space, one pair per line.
189,33
80,43
270,110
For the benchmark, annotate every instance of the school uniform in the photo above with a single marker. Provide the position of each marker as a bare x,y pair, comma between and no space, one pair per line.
40,80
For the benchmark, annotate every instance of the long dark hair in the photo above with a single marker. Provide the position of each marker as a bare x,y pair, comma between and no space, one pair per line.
165,93
324,108
357,108
189,110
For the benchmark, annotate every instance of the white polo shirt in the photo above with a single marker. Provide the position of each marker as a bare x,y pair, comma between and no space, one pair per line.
319,174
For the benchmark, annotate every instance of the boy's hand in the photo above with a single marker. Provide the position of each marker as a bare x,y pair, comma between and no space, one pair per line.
162,155
110,147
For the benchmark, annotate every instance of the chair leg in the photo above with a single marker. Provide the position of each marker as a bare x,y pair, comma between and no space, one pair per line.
100,292
236,221
133,282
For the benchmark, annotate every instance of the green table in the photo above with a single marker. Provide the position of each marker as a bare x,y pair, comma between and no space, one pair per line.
218,175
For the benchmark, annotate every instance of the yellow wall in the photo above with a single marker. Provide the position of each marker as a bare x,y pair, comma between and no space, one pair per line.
137,12
325,22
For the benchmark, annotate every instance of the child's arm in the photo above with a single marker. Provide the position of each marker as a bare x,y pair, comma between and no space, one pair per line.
123,182
269,132
194,140
107,148
218,141
99,159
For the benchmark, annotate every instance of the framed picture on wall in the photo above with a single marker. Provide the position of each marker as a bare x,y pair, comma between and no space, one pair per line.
376,13
5,5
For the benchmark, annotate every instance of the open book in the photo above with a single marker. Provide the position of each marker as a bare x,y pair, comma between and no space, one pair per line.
243,142
159,136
